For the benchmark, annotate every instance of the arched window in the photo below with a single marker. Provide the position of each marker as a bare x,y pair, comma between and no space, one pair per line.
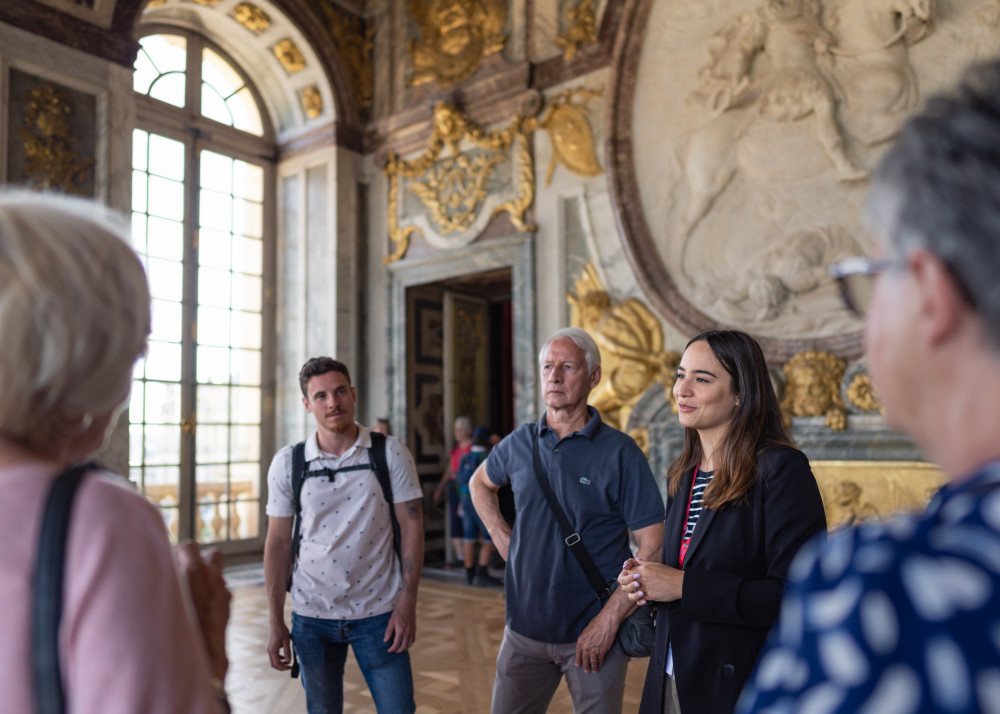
202,219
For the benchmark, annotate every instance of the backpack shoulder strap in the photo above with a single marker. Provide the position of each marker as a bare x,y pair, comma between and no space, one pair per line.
380,465
46,610
298,477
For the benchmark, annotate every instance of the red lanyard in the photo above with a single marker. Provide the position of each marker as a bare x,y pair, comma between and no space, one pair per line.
686,539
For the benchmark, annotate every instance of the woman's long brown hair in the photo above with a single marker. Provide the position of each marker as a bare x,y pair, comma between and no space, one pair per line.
756,423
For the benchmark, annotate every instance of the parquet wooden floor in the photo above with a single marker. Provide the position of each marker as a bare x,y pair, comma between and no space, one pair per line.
459,629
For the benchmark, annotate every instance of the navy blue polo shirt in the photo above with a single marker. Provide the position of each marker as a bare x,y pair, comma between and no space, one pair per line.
603,482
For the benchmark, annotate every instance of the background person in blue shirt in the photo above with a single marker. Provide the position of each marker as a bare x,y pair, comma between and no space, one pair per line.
905,617
556,625
473,530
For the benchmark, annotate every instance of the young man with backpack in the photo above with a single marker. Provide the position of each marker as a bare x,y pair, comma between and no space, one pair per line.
334,504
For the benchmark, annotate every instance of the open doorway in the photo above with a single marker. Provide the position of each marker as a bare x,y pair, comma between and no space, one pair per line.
460,362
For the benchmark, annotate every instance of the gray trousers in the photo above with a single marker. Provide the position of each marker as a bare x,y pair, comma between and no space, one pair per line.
529,672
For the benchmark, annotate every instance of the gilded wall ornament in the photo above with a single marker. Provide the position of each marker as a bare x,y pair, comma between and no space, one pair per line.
582,28
630,337
812,387
312,101
290,56
50,162
455,35
205,3
570,133
153,4
355,39
861,393
453,188
251,17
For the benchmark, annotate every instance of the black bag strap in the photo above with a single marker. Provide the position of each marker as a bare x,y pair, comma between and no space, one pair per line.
380,465
298,478
46,610
570,537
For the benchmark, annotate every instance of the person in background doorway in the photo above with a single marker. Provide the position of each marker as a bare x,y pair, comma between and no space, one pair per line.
473,530
381,426
463,443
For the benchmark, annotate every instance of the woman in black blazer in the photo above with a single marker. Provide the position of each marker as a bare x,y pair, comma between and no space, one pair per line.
741,501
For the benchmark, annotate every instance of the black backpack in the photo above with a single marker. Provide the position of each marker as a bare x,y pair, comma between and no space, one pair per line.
376,462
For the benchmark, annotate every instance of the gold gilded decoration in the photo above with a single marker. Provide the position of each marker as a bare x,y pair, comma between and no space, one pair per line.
153,4
455,35
856,491
50,161
582,28
312,101
205,3
452,189
861,393
290,56
812,387
570,134
640,435
251,17
355,39
630,337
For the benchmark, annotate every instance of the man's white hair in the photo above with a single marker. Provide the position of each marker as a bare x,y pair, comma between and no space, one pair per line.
582,339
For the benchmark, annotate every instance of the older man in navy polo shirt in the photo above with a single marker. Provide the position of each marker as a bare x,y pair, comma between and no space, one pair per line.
556,625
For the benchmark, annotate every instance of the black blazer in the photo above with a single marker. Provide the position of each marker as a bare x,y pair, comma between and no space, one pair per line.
734,575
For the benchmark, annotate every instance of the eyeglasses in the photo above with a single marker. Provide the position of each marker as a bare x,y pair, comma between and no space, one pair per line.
855,278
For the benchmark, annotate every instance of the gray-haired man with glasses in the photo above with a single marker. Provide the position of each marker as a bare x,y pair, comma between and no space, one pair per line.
906,617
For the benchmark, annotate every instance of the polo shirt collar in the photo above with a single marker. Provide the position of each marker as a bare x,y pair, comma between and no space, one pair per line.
589,430
364,441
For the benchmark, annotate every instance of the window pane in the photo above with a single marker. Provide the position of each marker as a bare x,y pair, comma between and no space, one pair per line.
167,321
246,405
249,219
169,88
246,367
216,211
244,480
213,525
166,157
213,443
168,52
164,476
219,73
135,441
248,255
214,287
166,239
139,191
248,181
145,72
214,107
243,519
162,445
165,278
163,403
246,116
213,327
244,443
139,369
140,140
213,404
166,198
216,172
213,482
214,249
213,365
139,232
246,330
163,361
247,293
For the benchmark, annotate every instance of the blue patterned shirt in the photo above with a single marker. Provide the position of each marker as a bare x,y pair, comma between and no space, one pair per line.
898,618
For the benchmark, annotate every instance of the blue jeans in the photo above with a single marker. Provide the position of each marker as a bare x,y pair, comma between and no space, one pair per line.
321,646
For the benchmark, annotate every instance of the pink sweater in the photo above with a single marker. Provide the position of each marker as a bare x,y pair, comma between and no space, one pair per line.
127,644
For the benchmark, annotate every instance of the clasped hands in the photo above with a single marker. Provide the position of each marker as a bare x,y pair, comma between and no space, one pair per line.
643,582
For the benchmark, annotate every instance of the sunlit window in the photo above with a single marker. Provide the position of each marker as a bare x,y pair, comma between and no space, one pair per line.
198,217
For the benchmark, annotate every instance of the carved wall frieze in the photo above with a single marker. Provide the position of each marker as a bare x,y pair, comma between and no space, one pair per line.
452,184
630,337
570,134
251,17
861,394
290,56
454,37
582,27
355,40
50,160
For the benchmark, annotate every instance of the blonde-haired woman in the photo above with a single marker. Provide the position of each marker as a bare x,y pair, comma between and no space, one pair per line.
74,316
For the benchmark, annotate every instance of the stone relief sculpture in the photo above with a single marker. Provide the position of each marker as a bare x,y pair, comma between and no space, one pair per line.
760,169
845,507
630,337
455,35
